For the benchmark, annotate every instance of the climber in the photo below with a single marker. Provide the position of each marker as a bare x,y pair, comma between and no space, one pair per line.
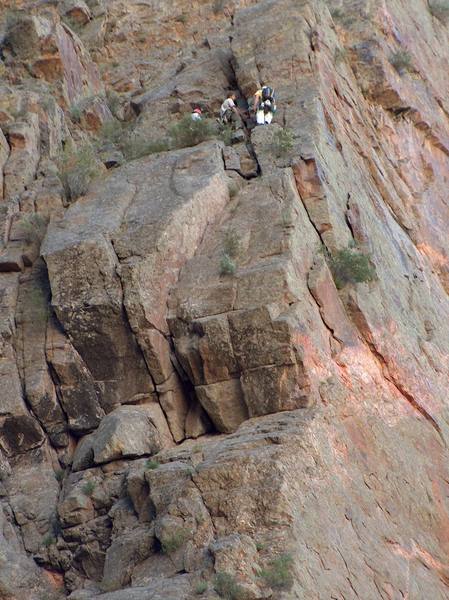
229,111
197,114
264,105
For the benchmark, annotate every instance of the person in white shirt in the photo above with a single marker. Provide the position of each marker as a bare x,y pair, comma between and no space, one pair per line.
229,109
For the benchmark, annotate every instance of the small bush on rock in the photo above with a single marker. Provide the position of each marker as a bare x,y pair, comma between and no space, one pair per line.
231,243
226,133
136,147
113,101
283,142
76,112
227,265
350,266
226,586
88,488
77,168
174,541
440,10
201,587
151,464
401,60
49,540
187,132
218,6
33,227
278,574
340,55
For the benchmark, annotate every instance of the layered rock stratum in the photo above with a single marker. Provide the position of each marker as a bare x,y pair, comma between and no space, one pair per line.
170,429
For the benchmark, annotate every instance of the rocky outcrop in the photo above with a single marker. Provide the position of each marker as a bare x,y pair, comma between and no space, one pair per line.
195,401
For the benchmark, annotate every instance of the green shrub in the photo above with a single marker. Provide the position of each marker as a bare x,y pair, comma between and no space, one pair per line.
226,586
174,541
201,587
77,168
440,9
338,14
226,133
76,112
340,55
136,147
401,60
112,132
13,17
59,474
188,132
233,188
218,6
231,243
278,574
283,142
151,464
88,488
49,540
350,266
227,265
113,101
33,227
183,18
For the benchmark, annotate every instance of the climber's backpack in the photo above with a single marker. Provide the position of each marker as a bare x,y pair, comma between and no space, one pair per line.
267,94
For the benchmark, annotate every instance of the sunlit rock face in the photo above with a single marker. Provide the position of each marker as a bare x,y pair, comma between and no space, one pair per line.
224,362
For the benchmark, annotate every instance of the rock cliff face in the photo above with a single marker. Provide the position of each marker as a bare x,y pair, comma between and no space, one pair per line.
194,403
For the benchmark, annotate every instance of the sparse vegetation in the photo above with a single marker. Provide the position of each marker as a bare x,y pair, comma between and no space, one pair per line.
260,546
226,586
218,6
13,17
226,133
340,55
350,266
401,60
201,587
113,101
174,541
187,132
59,474
440,9
136,147
227,265
182,18
278,574
33,228
283,142
76,112
343,16
231,243
112,132
233,188
49,540
151,464
77,168
88,488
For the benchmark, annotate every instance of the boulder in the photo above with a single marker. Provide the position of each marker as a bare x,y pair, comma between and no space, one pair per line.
224,404
128,431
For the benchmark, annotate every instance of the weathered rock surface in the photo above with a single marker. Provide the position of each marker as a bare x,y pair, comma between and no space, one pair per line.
189,294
